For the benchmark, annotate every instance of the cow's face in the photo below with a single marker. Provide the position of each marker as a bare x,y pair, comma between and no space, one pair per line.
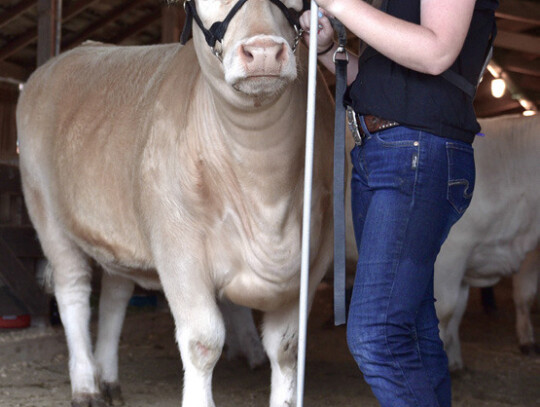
256,55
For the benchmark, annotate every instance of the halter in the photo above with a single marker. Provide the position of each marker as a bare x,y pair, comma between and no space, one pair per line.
215,34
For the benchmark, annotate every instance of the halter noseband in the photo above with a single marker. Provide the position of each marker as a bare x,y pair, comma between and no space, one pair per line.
217,31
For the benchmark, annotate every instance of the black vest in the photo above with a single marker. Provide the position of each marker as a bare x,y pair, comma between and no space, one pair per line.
431,103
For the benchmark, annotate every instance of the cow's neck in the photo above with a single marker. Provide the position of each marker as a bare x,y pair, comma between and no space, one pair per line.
266,142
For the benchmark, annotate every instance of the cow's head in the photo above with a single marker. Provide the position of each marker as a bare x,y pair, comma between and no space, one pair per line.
248,43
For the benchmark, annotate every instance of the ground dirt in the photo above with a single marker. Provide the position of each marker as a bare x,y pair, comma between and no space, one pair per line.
34,373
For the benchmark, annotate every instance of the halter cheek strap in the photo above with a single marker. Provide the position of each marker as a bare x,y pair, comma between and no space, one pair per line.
217,30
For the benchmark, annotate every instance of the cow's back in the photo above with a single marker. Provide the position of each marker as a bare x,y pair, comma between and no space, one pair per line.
83,121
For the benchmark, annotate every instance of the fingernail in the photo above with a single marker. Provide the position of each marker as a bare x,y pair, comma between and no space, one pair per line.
320,14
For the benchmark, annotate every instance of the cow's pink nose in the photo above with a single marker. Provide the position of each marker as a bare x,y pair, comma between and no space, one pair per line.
263,57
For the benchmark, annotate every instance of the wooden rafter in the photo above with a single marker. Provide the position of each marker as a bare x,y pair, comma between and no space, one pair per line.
76,8
136,27
517,64
18,43
107,19
518,42
15,11
31,35
519,10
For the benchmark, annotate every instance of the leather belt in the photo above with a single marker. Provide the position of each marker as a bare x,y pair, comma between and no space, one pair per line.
373,124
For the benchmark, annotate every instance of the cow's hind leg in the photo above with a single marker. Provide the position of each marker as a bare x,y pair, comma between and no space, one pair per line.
115,294
242,336
280,339
72,286
71,276
525,286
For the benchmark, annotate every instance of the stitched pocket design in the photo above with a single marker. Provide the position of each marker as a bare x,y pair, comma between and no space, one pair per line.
461,175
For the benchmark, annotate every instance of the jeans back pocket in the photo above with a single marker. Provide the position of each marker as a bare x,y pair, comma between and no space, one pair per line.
461,175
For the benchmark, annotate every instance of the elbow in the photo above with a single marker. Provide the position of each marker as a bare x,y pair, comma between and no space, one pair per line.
437,69
438,64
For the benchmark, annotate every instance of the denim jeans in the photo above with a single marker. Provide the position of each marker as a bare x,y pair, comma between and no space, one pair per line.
408,188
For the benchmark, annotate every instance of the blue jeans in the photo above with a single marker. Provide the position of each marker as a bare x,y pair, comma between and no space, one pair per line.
408,188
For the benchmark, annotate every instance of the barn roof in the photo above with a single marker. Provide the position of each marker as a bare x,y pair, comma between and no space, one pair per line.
516,52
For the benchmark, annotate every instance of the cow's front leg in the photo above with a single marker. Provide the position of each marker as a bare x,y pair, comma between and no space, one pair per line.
115,294
280,339
200,330
525,288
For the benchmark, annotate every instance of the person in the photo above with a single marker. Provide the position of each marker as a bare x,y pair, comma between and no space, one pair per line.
413,176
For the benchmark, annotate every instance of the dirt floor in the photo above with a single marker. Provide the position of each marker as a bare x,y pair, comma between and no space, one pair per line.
33,364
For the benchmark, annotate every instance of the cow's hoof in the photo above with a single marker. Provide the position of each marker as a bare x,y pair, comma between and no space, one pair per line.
460,374
526,349
530,349
112,394
88,400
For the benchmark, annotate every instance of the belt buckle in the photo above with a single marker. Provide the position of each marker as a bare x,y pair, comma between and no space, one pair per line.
354,126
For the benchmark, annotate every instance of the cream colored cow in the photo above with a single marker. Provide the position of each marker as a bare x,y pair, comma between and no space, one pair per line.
499,234
177,168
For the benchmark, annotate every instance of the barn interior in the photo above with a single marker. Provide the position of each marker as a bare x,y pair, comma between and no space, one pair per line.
33,31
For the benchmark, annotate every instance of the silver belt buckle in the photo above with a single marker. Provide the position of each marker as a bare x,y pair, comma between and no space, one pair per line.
354,126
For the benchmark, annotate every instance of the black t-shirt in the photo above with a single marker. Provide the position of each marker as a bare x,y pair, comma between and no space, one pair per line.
427,102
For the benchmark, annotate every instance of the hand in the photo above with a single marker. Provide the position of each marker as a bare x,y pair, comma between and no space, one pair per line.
325,30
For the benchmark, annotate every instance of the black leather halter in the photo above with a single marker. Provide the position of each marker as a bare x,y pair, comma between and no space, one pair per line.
217,31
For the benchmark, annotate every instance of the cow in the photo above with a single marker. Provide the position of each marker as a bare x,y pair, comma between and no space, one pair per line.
182,168
499,234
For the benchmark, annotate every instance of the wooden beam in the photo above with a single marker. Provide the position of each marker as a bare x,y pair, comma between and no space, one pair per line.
518,42
136,28
76,8
49,29
93,28
15,11
172,21
18,43
517,64
519,10
31,35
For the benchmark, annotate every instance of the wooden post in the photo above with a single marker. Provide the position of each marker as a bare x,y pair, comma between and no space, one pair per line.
172,22
49,29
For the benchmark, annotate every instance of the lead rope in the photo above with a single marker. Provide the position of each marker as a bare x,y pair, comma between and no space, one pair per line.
339,175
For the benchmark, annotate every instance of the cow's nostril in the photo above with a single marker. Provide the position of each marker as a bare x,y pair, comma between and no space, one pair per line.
247,54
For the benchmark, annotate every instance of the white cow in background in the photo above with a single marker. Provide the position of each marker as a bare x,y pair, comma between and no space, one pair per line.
499,234
182,168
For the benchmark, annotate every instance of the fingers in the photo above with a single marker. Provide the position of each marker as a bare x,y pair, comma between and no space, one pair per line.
325,30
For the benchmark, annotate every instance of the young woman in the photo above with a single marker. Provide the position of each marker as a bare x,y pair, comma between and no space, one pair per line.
413,176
